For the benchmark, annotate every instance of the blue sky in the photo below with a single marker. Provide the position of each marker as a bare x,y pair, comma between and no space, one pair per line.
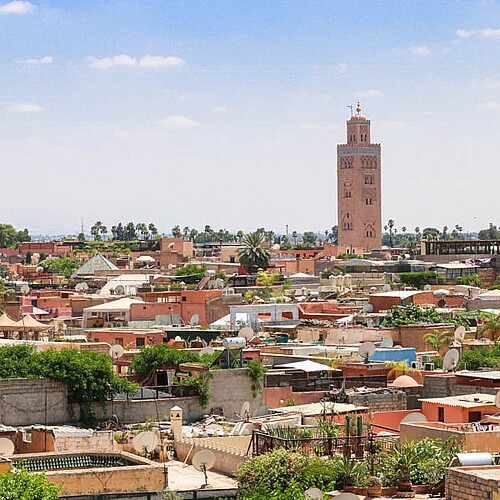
228,112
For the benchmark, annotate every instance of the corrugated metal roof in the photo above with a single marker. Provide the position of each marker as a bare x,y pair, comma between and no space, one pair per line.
466,401
319,408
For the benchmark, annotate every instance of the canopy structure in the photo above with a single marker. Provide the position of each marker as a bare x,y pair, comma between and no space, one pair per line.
29,324
6,322
307,366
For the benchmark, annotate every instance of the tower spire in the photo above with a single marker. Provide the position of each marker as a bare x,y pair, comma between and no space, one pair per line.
358,109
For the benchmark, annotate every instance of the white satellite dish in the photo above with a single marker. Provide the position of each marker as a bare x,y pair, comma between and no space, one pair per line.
171,245
206,350
247,333
387,342
313,494
450,360
347,496
119,290
6,447
366,349
459,334
203,461
245,409
81,287
414,417
145,441
427,288
25,289
116,351
195,320
386,288
497,400
367,308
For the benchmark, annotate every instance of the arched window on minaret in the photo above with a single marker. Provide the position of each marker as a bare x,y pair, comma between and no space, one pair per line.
347,222
369,232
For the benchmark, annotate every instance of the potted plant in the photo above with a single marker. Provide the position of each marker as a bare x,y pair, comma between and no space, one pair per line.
350,473
373,487
405,458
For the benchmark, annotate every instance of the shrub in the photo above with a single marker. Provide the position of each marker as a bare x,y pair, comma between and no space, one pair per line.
285,475
471,280
419,279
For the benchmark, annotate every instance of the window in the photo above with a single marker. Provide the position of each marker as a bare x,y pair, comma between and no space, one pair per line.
369,233
368,201
140,342
369,180
347,194
440,414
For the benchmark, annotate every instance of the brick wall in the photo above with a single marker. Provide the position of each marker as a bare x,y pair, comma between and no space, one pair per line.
472,483
441,386
386,401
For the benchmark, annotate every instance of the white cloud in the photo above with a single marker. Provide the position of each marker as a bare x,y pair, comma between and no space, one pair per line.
369,93
26,108
147,62
16,7
219,110
420,50
41,60
491,105
179,122
160,61
483,33
113,62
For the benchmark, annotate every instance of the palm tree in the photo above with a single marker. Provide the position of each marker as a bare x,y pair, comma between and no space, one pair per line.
390,223
437,339
254,254
491,323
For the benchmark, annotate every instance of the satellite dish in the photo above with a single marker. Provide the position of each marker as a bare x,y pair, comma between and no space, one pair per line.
116,351
25,289
367,308
171,245
366,349
442,303
414,417
497,400
119,290
206,350
247,333
313,494
427,288
203,461
386,288
460,333
145,441
245,409
6,447
172,266
387,342
450,359
195,320
348,496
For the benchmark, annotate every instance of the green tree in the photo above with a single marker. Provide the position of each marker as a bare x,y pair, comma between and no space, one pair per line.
491,324
10,236
390,224
176,231
191,270
22,485
437,339
142,229
98,230
254,255
153,230
309,237
64,266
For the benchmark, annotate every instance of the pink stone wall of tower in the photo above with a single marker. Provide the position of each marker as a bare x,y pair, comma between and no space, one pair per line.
359,190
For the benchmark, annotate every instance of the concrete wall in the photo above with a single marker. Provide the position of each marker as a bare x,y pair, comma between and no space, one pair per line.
441,386
28,402
472,483
376,401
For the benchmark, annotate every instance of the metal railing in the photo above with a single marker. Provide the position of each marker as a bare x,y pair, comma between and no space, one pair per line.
347,446
158,392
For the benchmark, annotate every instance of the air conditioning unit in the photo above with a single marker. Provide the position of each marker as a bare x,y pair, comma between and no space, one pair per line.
429,367
425,358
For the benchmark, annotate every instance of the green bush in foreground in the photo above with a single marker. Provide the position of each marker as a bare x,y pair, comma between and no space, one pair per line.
21,485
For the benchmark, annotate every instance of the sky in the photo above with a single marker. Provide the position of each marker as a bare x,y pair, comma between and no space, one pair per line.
228,112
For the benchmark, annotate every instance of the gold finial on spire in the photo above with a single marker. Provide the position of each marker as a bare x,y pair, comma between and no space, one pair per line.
358,109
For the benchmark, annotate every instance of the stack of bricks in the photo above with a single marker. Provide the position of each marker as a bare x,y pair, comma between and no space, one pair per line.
472,483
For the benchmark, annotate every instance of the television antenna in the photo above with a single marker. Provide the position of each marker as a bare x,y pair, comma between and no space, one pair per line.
366,349
146,441
195,320
203,461
247,333
450,360
313,494
6,447
459,334
116,351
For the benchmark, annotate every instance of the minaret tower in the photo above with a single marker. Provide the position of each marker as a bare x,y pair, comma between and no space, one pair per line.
359,201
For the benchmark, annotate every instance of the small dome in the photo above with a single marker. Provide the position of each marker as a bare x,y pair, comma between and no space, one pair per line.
405,381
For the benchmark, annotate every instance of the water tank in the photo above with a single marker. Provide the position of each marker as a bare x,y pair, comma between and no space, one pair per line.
234,343
475,458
